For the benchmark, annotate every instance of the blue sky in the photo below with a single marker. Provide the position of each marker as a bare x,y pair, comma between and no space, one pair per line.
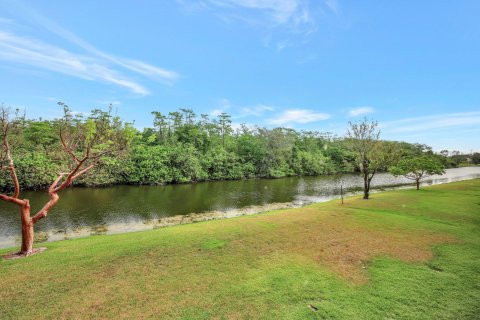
412,65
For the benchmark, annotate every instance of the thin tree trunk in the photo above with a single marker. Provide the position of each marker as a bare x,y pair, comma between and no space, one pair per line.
366,187
418,184
27,229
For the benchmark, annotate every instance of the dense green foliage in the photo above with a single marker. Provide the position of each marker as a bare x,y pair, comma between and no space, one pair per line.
183,147
405,254
43,150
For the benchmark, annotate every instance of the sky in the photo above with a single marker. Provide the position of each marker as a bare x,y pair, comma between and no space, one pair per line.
414,66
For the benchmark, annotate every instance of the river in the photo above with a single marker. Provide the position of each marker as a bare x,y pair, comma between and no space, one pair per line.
88,211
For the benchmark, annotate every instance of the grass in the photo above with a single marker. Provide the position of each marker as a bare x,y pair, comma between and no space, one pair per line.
403,254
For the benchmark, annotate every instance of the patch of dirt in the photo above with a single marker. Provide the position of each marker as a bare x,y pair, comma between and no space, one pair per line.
18,255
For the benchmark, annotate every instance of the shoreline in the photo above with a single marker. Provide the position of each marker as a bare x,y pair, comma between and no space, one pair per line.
161,184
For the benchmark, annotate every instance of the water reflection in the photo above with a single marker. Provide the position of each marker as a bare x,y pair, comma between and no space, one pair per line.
85,211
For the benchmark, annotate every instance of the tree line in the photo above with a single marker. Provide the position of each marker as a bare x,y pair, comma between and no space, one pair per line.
183,147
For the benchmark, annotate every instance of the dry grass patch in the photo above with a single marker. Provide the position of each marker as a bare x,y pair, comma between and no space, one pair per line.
339,243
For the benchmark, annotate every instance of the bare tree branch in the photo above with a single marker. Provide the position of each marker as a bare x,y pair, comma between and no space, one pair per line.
16,201
7,151
53,200
67,148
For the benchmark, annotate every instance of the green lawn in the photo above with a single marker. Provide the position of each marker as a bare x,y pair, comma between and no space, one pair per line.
403,254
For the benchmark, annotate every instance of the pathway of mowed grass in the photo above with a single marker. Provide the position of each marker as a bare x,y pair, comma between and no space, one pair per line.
403,254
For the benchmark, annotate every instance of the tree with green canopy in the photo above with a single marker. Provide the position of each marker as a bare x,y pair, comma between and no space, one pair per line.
417,168
476,158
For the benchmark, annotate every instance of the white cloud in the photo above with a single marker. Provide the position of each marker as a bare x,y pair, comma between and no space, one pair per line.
238,126
134,65
216,112
360,111
51,99
94,64
35,53
298,116
425,123
256,111
282,23
243,112
112,102
223,105
280,11
147,69
298,16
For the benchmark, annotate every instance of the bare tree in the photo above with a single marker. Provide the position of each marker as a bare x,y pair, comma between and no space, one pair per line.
84,142
372,154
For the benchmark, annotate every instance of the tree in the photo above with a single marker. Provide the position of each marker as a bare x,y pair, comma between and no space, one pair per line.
41,134
83,142
417,168
371,154
458,157
476,158
224,122
188,115
161,125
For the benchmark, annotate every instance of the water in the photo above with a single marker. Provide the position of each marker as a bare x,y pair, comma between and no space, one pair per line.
85,211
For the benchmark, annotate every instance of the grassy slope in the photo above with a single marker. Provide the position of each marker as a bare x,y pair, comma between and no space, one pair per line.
401,255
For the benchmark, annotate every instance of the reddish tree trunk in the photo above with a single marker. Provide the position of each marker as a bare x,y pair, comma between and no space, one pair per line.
27,220
27,229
